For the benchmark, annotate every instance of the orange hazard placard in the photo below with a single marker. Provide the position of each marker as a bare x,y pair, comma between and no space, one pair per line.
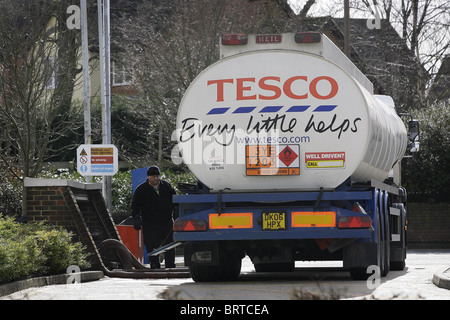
313,219
272,160
231,220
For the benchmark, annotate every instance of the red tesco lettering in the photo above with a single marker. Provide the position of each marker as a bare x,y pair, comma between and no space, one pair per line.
274,88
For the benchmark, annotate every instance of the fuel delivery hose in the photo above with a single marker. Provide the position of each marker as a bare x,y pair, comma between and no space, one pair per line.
132,268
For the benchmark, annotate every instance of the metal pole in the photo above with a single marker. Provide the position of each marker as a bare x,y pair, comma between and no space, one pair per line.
102,60
106,22
106,181
86,92
347,28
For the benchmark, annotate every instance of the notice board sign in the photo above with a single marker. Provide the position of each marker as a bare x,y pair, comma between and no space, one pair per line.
97,160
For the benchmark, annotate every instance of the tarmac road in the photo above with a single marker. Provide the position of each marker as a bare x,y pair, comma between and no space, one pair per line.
310,280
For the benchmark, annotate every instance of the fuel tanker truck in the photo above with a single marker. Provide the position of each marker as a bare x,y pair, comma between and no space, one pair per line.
296,160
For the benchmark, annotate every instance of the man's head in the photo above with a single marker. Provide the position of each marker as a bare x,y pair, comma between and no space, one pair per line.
153,174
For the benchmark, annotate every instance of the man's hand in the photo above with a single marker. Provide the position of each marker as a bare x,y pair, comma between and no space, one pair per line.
137,222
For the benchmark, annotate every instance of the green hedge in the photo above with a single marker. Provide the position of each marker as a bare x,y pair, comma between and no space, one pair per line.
426,175
36,249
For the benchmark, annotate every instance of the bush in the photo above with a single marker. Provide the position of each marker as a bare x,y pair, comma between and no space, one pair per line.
122,192
176,177
426,175
36,249
10,193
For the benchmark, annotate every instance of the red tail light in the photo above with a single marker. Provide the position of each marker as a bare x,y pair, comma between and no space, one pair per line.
308,37
234,39
355,222
189,225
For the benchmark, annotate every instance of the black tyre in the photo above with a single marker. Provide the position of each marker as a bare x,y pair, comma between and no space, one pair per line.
228,270
360,273
400,248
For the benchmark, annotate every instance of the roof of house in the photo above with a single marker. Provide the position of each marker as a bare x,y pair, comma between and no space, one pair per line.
440,90
381,54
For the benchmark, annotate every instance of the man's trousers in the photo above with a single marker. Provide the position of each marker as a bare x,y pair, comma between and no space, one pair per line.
156,235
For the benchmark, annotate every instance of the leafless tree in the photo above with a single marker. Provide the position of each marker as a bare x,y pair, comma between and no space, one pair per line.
170,42
37,78
424,25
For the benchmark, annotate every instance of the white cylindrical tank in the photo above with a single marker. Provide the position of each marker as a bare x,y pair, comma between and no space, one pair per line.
284,120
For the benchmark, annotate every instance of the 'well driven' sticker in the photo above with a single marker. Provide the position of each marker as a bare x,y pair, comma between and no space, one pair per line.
323,160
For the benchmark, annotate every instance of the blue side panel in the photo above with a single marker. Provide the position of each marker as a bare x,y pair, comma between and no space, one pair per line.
138,176
304,233
285,196
200,206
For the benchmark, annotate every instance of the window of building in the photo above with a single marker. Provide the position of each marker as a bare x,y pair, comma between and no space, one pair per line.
50,72
122,75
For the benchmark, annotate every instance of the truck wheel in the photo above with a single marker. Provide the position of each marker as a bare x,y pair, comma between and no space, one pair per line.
360,273
398,265
228,270
204,273
383,238
386,241
399,249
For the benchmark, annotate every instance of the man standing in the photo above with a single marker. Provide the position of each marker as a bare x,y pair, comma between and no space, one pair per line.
152,209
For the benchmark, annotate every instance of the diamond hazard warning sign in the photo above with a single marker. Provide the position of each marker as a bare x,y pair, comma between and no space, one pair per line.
272,160
287,156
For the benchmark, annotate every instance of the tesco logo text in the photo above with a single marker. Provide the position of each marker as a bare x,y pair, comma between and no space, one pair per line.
274,87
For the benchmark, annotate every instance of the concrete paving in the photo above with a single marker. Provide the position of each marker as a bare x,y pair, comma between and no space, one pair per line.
95,285
15,286
442,279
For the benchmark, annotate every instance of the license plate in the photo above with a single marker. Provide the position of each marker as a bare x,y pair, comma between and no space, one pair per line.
274,220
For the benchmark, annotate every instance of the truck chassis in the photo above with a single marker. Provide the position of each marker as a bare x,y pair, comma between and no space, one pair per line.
361,225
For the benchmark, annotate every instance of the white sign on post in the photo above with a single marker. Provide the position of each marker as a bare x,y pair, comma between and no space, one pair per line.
97,160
